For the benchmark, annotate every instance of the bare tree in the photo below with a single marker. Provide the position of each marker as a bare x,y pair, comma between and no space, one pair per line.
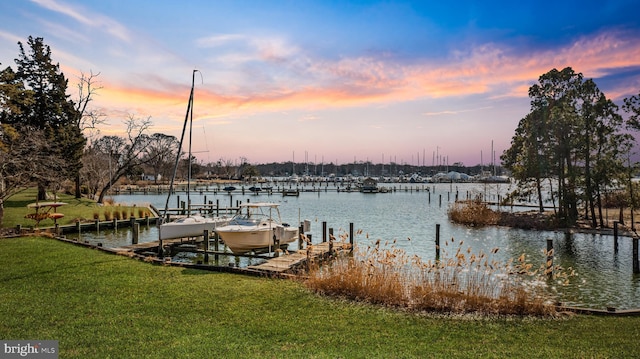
23,161
88,118
124,155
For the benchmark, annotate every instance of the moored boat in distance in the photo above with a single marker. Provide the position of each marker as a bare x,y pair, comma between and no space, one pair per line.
256,226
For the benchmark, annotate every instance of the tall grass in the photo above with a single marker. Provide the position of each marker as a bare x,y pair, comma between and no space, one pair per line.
462,283
473,213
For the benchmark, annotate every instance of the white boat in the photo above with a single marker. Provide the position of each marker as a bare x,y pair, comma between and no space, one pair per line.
256,226
193,225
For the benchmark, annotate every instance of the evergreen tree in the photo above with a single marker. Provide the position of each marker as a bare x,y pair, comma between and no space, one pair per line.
49,110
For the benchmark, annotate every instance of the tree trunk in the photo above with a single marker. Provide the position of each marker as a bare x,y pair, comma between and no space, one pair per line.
42,192
78,192
539,188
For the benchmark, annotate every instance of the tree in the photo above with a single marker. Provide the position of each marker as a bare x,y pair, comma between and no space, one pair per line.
86,117
161,151
573,134
23,160
125,155
48,109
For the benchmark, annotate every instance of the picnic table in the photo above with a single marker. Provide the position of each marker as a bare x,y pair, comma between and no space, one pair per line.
45,210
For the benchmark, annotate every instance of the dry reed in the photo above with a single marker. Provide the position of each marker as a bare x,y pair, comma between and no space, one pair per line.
462,283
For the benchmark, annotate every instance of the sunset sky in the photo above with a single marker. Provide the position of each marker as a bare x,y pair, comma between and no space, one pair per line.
328,81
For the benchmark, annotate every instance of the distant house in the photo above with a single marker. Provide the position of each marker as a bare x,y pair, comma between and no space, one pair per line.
369,185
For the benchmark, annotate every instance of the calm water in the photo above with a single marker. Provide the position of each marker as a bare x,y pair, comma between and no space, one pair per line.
604,276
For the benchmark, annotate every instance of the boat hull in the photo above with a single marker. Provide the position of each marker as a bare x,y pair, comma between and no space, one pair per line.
192,226
242,239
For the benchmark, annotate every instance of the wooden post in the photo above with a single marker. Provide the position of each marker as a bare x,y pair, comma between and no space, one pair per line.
115,223
160,251
78,226
636,265
146,219
549,265
183,208
440,199
324,232
136,232
217,208
437,241
351,239
615,236
206,246
300,234
216,242
429,201
97,223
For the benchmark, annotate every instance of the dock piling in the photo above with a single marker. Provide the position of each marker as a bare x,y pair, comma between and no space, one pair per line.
437,241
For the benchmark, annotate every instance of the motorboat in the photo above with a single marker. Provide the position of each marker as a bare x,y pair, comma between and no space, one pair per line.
190,226
256,226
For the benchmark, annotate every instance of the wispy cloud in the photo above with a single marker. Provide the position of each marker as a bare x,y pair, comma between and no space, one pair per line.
87,18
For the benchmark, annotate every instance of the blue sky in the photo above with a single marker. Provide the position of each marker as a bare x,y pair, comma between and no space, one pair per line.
330,80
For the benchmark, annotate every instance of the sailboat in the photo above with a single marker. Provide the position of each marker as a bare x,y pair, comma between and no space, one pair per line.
192,225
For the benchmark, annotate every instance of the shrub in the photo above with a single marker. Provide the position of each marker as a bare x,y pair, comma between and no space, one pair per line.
473,213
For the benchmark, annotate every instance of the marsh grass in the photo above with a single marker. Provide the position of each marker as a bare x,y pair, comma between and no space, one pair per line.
460,283
473,213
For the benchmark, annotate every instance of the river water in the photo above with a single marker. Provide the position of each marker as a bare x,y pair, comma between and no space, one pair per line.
604,277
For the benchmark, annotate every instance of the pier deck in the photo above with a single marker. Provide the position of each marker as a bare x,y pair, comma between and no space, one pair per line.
292,260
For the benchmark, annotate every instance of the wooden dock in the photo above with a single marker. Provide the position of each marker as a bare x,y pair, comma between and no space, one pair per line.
291,261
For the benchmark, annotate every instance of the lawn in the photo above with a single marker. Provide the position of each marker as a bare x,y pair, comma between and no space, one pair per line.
74,210
99,305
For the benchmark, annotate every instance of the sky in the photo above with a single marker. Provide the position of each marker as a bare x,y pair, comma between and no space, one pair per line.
410,82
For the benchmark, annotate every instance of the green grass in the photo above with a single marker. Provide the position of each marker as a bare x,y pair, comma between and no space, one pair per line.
82,209
99,305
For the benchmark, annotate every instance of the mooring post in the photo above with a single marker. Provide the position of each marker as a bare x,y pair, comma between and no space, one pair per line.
437,241
636,264
146,219
115,223
216,242
300,234
206,246
550,257
324,232
429,200
351,240
136,232
78,226
178,201
132,221
160,251
182,208
440,199
615,236
97,223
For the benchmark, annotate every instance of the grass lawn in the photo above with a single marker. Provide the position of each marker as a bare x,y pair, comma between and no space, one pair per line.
81,209
99,305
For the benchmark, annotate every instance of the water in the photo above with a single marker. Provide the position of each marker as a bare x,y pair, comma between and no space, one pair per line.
604,277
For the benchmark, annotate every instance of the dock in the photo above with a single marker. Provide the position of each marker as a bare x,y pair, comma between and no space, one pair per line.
282,264
291,261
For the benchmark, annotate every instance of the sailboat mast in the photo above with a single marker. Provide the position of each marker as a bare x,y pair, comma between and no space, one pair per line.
193,79
179,150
